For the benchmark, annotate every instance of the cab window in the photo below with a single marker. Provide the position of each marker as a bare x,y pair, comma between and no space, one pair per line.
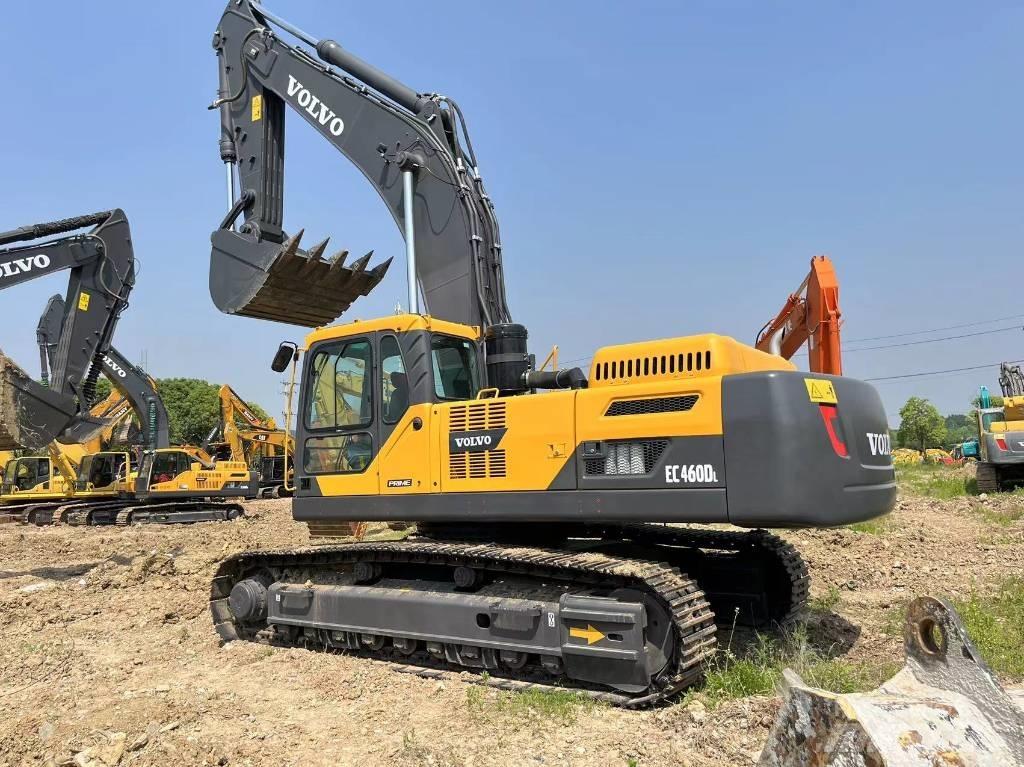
338,454
340,388
394,382
165,467
454,364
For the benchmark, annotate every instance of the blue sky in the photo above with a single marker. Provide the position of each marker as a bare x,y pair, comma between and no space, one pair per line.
658,169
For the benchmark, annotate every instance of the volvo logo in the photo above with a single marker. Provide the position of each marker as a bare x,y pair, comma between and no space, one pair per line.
314,107
475,441
23,265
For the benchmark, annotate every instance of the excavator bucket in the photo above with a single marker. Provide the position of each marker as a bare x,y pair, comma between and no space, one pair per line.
32,416
945,707
284,283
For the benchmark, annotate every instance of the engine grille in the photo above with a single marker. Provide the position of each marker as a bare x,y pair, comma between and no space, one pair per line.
675,404
478,416
634,457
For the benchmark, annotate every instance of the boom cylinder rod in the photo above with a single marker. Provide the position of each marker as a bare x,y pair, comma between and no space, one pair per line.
230,168
331,52
408,192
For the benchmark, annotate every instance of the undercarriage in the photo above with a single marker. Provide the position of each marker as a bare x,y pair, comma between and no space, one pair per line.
623,613
123,512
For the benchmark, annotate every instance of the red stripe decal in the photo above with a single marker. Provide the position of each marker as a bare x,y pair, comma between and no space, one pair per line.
829,413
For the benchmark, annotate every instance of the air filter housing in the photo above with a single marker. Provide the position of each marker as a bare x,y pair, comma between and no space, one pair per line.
507,357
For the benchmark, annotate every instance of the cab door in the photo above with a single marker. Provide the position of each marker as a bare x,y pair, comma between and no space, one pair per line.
339,428
404,421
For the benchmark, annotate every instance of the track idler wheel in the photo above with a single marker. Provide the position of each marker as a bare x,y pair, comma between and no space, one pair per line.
248,600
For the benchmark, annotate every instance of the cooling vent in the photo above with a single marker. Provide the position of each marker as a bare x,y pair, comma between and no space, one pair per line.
479,416
656,365
637,457
654,405
476,417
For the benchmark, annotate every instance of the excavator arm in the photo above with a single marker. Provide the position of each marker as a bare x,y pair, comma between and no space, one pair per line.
411,147
132,383
102,272
254,431
810,315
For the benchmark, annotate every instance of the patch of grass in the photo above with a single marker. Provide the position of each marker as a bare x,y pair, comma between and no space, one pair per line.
1004,517
827,602
995,623
878,526
935,481
559,705
759,669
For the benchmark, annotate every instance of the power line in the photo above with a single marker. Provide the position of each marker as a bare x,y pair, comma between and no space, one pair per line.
939,372
936,330
933,340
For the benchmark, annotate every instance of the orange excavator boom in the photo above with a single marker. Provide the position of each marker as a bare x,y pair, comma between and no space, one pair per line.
810,315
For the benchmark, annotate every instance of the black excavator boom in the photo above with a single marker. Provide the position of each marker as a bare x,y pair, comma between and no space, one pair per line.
408,146
102,273
133,383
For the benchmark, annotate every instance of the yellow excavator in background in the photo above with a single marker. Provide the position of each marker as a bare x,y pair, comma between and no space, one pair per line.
152,482
243,436
535,559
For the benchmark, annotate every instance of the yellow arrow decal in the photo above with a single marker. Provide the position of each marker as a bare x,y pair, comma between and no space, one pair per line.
590,633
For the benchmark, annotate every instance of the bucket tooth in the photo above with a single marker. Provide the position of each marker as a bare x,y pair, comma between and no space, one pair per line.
337,261
378,272
317,251
290,249
360,263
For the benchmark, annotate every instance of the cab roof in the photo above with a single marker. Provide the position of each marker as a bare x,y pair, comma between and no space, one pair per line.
397,323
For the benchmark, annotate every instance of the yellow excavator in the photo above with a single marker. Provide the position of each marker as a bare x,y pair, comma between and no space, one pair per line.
154,482
541,557
245,437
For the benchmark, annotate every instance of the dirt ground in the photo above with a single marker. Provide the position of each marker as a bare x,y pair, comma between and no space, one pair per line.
108,655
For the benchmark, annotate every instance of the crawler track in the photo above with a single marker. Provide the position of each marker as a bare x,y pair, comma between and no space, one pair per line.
107,511
639,557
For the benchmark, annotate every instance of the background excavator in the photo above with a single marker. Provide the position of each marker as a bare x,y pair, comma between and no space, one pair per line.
102,272
534,491
810,315
244,436
1001,433
150,481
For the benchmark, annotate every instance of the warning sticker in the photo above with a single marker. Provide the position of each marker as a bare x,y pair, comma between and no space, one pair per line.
257,108
83,301
821,391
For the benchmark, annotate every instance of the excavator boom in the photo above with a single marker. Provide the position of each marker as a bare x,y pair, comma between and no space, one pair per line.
409,146
102,272
131,382
810,315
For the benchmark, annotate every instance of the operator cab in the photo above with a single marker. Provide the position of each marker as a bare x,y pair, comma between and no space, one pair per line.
360,380
101,472
24,474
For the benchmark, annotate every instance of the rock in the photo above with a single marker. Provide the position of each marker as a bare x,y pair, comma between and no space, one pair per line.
106,754
168,727
46,730
983,497
697,711
140,742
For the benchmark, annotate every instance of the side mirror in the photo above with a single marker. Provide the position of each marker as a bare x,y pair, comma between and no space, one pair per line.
286,352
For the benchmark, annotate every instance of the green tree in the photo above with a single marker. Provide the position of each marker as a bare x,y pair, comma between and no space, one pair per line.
103,388
921,424
193,407
959,428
